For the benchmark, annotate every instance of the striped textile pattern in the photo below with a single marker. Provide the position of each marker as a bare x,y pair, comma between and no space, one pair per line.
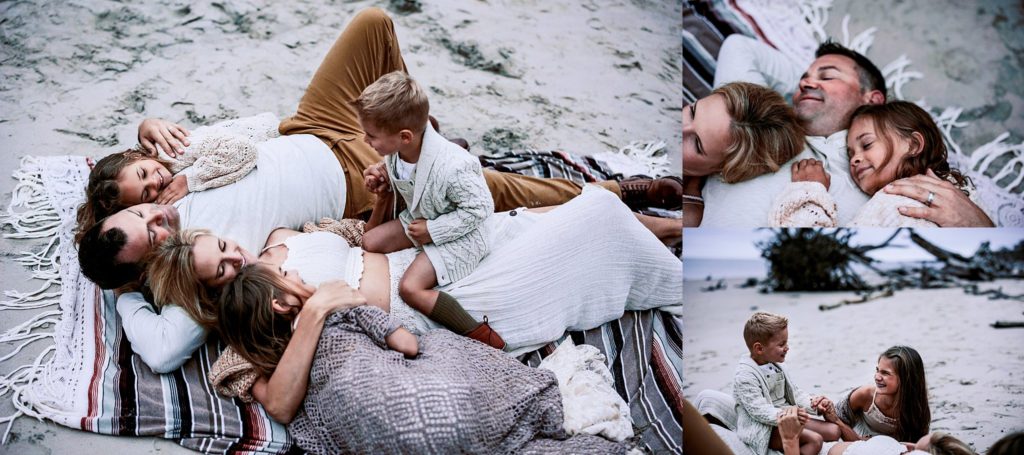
644,350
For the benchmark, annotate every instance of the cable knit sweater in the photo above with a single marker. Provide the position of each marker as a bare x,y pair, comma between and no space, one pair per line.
808,204
755,413
448,191
222,154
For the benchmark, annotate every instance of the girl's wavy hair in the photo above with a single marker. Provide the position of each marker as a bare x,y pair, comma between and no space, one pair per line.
102,195
904,118
912,396
174,281
246,319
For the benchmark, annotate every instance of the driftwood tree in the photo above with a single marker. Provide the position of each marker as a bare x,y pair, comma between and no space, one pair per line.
816,260
824,260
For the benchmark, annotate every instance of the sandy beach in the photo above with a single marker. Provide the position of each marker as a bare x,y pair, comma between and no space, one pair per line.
582,77
975,373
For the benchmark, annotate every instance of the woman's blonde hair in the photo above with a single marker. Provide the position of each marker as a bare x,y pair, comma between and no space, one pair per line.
765,131
944,444
173,278
246,318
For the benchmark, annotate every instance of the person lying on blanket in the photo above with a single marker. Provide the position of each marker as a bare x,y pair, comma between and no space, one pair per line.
357,382
887,143
836,83
744,130
314,170
525,286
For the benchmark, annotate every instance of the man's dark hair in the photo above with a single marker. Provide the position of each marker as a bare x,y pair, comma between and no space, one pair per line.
97,257
868,74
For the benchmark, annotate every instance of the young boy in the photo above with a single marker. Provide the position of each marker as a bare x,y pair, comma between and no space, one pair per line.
762,391
445,195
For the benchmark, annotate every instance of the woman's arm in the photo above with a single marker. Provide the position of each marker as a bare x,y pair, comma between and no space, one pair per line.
693,203
282,394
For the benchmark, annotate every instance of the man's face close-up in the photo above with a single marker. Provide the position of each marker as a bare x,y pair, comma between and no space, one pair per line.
827,94
145,225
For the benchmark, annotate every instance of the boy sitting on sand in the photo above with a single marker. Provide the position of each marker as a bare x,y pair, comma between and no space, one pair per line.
763,391
446,199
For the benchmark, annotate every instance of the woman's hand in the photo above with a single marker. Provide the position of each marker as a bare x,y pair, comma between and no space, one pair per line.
174,191
170,137
333,296
790,426
810,170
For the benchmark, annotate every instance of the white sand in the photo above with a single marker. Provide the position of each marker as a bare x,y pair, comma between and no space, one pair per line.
975,373
583,77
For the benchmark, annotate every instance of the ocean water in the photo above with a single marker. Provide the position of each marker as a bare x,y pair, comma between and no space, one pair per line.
699,269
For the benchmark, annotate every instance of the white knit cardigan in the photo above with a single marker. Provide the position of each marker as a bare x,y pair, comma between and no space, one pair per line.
450,192
755,413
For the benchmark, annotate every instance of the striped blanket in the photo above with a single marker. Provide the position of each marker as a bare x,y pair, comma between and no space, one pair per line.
91,380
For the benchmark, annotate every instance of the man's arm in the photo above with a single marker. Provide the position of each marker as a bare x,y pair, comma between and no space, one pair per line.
949,207
163,340
748,60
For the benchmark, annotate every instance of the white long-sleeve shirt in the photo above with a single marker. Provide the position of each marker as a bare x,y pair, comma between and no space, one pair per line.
747,204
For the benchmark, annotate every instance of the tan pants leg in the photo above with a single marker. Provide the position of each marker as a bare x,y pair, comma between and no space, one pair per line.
511,191
366,50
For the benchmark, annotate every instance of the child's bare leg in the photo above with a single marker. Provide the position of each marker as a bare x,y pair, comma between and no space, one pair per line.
386,238
417,285
403,341
810,442
417,290
829,431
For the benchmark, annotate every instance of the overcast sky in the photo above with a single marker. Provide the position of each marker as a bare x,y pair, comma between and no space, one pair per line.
707,243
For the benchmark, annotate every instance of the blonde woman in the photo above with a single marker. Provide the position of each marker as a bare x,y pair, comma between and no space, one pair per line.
740,131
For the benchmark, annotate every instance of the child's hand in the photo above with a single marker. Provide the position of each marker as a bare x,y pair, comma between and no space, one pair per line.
174,191
170,137
802,414
376,179
810,170
418,231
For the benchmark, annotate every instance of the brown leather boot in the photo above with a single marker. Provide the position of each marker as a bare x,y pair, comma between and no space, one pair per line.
641,191
485,334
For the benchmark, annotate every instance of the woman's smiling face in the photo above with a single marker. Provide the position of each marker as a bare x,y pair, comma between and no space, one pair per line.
217,260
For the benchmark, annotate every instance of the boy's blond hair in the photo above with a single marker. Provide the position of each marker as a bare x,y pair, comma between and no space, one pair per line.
762,326
393,103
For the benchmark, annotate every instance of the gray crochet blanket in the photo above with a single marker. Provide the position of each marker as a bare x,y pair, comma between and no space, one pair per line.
457,396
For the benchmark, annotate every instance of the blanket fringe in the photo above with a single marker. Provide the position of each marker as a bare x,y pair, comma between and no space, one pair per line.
647,158
31,215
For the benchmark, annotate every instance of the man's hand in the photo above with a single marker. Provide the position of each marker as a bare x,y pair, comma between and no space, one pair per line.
169,137
333,296
949,207
174,191
810,170
376,179
418,231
